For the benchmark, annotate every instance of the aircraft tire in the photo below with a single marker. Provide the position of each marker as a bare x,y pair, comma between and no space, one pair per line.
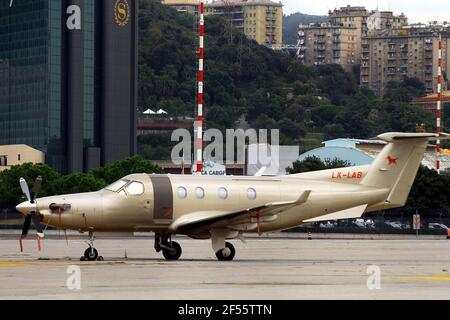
173,255
221,256
91,255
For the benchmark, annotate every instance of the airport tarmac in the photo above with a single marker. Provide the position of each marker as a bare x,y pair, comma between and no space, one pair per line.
263,269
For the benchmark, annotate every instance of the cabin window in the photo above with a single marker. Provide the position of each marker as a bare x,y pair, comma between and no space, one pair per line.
182,193
135,188
223,193
251,194
200,193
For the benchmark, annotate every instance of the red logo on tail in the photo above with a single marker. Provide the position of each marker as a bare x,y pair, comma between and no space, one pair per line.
392,161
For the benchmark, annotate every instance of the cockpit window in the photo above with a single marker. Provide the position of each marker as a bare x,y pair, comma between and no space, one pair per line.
135,188
116,186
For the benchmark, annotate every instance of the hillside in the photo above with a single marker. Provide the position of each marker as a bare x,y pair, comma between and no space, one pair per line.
291,22
246,81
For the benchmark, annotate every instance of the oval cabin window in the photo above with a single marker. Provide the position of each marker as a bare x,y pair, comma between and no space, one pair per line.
223,193
200,193
251,194
182,193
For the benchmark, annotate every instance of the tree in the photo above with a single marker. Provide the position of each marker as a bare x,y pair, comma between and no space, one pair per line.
314,163
122,168
76,183
10,191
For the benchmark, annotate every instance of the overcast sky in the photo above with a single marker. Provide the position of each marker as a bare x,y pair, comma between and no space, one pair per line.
416,10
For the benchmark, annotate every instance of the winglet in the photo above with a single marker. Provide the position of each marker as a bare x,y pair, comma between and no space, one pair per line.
302,199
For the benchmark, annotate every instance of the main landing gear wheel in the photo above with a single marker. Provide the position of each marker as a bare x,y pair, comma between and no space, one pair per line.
226,254
173,253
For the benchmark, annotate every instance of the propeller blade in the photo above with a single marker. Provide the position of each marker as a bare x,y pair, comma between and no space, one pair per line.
37,224
25,189
36,188
26,227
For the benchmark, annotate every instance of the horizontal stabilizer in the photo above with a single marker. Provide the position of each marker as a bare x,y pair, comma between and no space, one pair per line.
398,136
351,213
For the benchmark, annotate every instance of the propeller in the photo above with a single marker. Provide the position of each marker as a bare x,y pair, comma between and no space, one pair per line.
32,213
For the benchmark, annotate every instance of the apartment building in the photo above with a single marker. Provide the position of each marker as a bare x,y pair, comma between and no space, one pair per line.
260,20
339,40
392,55
328,43
186,6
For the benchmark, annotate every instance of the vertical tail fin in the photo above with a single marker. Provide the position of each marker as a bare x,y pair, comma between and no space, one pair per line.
396,166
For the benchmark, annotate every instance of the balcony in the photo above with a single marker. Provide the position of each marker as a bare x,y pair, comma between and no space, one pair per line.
392,57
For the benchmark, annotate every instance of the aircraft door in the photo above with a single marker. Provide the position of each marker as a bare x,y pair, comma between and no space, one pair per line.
162,200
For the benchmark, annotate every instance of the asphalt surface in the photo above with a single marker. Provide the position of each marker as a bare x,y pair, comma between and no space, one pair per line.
263,269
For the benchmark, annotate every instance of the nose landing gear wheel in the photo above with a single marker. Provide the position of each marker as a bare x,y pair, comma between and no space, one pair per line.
226,254
174,253
91,254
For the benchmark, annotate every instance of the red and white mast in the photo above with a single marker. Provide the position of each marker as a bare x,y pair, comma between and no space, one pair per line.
439,104
201,55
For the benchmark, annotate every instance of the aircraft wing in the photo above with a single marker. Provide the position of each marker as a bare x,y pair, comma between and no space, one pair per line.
201,221
351,213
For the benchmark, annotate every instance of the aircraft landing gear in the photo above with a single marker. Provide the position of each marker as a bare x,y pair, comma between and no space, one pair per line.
226,254
171,250
91,254
225,251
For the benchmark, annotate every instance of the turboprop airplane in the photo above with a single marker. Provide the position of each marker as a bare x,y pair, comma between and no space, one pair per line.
223,208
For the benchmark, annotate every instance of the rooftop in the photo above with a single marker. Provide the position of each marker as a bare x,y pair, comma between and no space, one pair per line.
432,97
220,3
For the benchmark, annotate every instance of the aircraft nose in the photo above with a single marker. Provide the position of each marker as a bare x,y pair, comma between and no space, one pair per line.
26,207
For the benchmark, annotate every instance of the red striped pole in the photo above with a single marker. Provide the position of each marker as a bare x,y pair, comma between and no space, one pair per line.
201,56
439,104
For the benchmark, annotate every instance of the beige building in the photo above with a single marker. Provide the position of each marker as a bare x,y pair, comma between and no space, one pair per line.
392,55
326,43
260,20
187,6
12,155
339,41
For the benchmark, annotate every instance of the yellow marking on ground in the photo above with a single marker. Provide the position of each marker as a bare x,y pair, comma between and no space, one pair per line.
446,278
14,264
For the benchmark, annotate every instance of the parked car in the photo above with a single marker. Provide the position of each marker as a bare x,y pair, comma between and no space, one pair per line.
394,224
437,226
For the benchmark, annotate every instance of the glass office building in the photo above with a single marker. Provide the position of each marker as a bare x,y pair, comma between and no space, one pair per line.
59,88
